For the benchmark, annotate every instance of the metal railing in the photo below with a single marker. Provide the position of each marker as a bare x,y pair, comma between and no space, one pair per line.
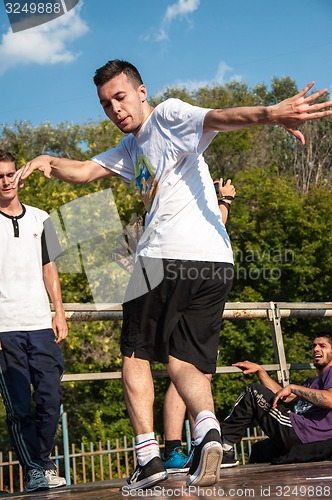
272,311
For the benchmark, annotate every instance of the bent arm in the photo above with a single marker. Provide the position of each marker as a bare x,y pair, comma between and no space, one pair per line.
52,284
72,171
248,367
224,213
318,397
225,190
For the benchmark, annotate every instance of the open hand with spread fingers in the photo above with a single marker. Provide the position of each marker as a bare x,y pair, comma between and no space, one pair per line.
291,112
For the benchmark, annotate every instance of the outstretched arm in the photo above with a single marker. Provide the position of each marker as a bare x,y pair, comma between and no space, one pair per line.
248,367
289,113
71,171
322,398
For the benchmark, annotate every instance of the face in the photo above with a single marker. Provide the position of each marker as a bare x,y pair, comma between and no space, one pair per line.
321,353
7,172
124,105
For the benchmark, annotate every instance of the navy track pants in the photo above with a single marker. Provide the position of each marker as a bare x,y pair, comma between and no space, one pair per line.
31,358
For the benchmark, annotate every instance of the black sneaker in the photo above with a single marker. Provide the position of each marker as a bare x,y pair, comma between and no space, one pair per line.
228,459
147,475
205,468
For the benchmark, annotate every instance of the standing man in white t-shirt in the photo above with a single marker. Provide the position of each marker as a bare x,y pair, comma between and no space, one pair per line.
172,311
29,351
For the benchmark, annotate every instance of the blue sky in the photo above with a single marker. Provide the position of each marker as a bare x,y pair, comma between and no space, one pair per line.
46,72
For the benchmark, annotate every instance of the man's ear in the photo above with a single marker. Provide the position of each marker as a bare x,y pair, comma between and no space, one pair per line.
143,92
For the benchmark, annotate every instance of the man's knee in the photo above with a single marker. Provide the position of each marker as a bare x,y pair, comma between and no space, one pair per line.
261,394
134,369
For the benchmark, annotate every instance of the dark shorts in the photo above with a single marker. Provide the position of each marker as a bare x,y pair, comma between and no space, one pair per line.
180,316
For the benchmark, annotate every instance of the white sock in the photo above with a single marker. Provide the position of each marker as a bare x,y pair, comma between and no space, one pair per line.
204,422
146,448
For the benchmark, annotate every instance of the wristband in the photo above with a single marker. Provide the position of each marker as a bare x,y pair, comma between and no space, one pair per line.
227,197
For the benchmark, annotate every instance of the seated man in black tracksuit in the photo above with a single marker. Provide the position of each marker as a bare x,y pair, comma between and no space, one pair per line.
269,404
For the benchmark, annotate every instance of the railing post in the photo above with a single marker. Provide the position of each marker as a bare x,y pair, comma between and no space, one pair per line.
188,435
65,445
278,344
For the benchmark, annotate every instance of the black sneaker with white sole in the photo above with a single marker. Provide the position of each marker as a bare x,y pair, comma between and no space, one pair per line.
145,476
205,467
228,459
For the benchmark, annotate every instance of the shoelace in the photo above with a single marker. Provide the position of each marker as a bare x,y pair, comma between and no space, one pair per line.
35,474
135,474
52,472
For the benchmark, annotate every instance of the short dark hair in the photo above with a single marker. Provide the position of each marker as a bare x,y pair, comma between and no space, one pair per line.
326,335
114,68
7,156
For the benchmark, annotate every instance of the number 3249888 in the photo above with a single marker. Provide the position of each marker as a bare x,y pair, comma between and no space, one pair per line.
301,491
33,8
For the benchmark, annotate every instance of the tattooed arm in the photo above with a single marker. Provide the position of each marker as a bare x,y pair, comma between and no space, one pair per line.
321,398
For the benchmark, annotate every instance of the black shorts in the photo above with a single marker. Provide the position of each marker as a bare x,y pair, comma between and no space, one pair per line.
180,316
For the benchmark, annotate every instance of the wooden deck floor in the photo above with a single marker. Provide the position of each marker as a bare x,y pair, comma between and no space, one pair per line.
295,481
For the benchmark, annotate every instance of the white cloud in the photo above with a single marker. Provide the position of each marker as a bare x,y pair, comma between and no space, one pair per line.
182,8
223,75
44,44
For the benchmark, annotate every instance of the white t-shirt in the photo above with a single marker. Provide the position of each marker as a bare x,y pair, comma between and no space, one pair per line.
166,159
24,303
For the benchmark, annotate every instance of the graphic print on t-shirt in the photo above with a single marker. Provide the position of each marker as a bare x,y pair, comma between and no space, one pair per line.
302,406
145,180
